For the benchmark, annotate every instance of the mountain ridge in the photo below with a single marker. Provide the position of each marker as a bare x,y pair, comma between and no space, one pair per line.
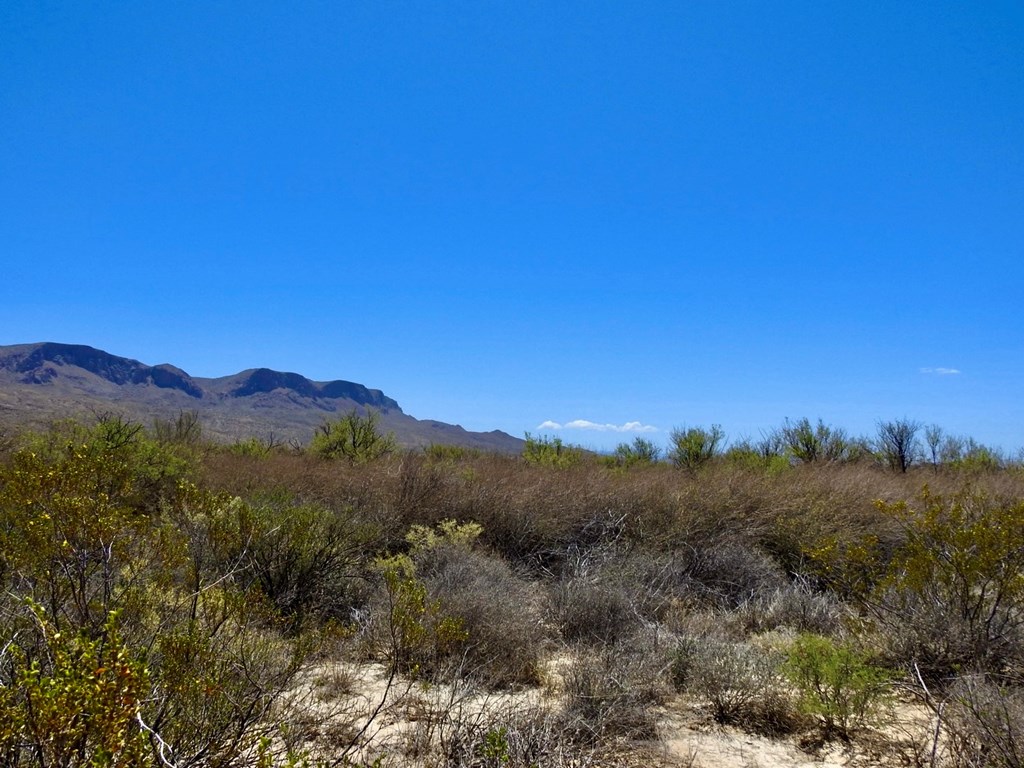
46,380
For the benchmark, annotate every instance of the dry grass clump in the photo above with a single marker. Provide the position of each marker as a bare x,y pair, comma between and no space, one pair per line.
740,682
611,690
794,606
498,610
984,723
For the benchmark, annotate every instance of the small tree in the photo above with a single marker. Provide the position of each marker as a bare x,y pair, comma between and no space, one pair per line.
897,442
551,451
933,436
354,437
693,447
185,429
640,452
810,444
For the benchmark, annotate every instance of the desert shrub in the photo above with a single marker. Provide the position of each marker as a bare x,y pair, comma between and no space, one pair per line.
694,447
809,443
550,452
763,456
217,677
795,606
355,437
641,452
950,596
837,683
92,529
611,690
137,472
985,723
729,573
72,699
593,609
184,429
897,443
607,592
512,738
411,632
78,512
496,609
741,682
307,560
255,447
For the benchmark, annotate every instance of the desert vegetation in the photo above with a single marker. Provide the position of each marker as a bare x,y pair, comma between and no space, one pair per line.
173,602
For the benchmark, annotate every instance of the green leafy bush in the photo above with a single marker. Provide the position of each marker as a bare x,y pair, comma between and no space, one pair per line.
949,596
101,522
551,452
809,443
354,437
256,447
837,683
640,453
77,702
694,447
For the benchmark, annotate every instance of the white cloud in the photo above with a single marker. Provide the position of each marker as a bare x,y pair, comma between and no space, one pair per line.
941,371
593,426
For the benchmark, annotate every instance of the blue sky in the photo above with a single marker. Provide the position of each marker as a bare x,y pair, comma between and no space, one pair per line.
506,214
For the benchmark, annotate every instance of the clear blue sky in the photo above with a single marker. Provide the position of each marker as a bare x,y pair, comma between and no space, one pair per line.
505,214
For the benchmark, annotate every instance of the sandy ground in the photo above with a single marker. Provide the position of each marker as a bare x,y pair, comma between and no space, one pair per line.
357,711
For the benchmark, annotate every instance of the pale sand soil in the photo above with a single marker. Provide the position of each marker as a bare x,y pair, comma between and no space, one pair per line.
690,736
408,718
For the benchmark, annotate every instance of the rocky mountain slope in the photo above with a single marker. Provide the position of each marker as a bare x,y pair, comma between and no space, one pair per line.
39,382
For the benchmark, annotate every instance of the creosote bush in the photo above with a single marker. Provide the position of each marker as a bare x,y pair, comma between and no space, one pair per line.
696,446
125,638
949,597
640,453
550,452
355,437
837,683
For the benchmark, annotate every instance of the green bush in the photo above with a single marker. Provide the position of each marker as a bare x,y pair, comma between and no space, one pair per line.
415,637
75,703
551,452
949,596
354,437
255,447
641,452
694,447
809,443
100,522
78,507
836,683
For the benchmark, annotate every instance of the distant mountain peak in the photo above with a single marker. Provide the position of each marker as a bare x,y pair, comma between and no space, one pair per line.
42,363
51,379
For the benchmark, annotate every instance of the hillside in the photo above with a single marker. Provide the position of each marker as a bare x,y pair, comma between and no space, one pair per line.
40,382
